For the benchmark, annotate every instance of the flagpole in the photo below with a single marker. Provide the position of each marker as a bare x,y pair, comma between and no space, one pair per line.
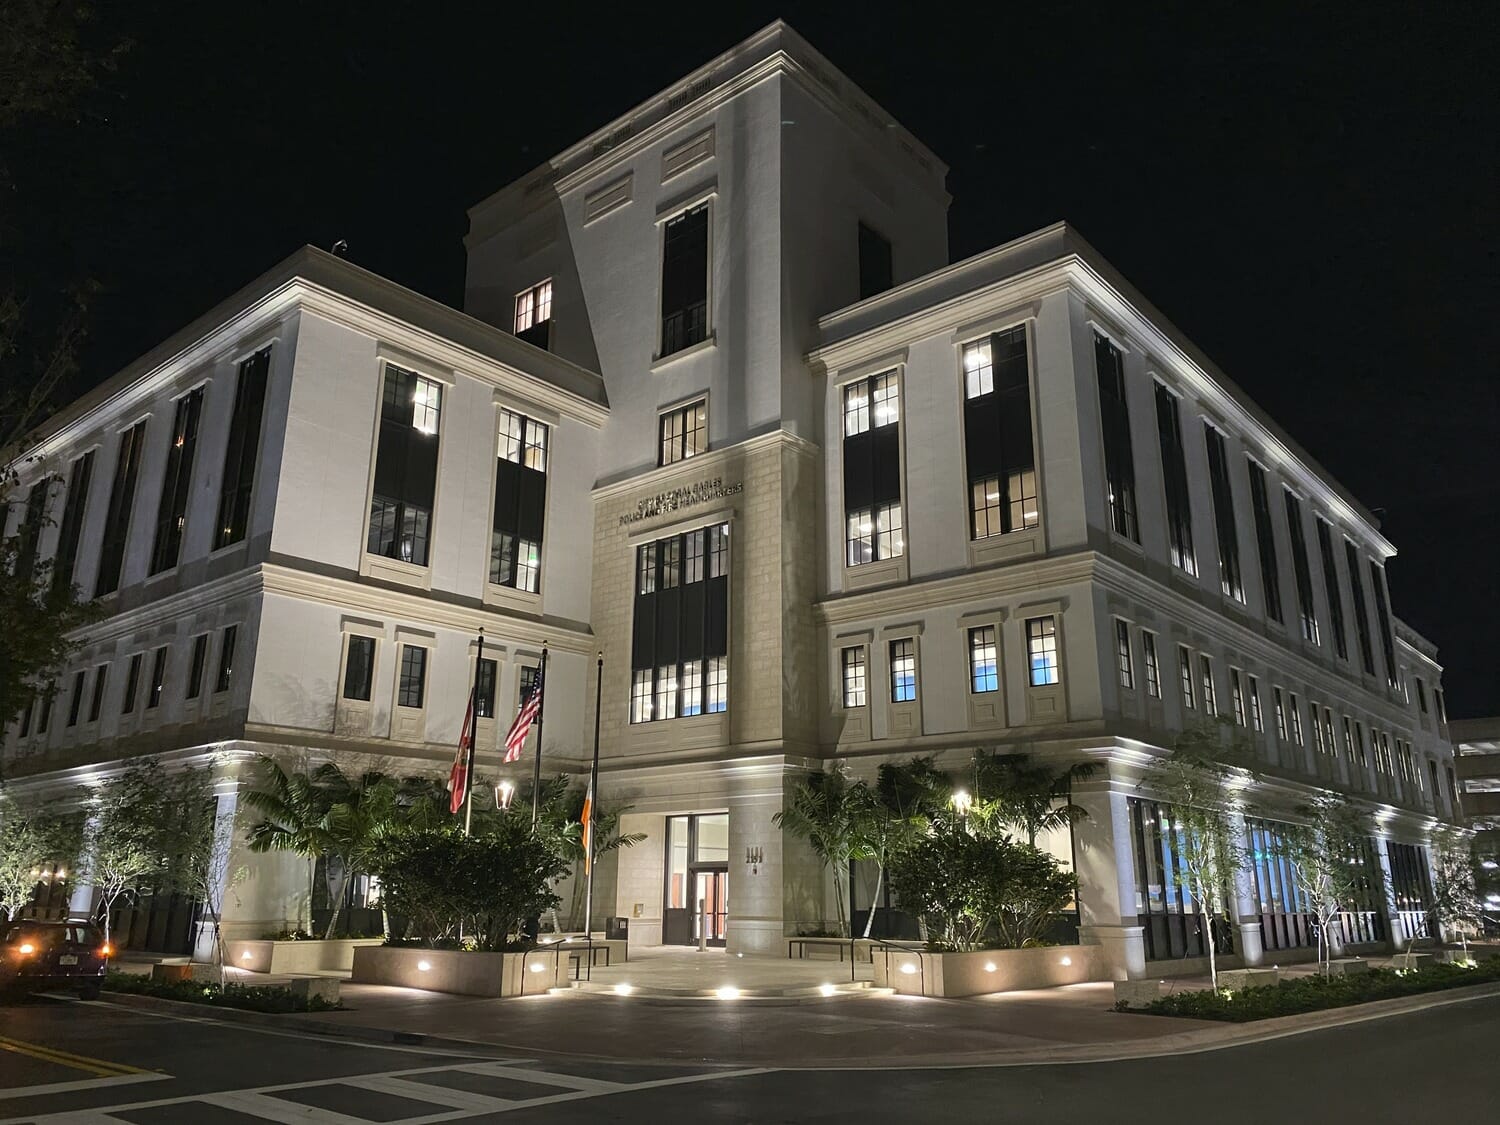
473,739
593,817
536,769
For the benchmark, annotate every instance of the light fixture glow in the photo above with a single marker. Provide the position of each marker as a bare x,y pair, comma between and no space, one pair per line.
827,989
538,967
962,802
1067,960
247,956
27,948
728,992
989,966
623,989
909,968
423,966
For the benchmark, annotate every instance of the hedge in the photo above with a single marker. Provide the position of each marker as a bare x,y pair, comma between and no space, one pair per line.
253,997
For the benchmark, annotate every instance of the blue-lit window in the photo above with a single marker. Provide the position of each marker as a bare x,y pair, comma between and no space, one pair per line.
1041,650
903,671
984,667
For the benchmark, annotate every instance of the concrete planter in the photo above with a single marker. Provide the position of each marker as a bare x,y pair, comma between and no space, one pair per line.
1237,979
468,974
1347,966
1137,993
919,973
296,957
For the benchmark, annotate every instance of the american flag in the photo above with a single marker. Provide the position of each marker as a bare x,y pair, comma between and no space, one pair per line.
515,738
458,777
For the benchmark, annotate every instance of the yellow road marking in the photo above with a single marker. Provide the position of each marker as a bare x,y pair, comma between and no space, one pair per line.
101,1067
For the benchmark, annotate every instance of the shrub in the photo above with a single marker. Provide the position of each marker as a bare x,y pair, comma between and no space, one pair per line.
251,997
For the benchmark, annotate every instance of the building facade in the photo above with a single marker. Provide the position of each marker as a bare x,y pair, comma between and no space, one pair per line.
722,410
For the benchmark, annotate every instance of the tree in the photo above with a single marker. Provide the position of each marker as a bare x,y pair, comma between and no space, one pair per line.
833,815
196,844
124,835
1455,887
1327,854
30,839
1033,797
1197,781
562,823
906,794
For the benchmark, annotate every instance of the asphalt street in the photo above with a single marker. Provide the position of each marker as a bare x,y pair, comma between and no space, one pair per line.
98,1064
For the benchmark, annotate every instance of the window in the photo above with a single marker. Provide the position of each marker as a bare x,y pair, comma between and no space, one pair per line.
984,660
872,470
1442,708
1361,620
413,686
44,714
485,675
132,681
1185,676
1331,588
903,670
226,658
69,533
998,449
1308,614
875,274
1041,650
101,677
853,663
1348,737
158,678
1265,539
359,668
1153,664
1257,719
683,433
1174,476
406,461
195,666
1237,697
1210,701
534,314
75,701
679,637
1281,731
1421,695
30,529
1359,744
1319,745
177,484
117,515
1122,655
1114,415
520,502
1296,718
24,730
684,281
1223,494
1383,616
241,449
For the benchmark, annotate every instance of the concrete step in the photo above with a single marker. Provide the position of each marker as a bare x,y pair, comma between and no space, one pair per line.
790,994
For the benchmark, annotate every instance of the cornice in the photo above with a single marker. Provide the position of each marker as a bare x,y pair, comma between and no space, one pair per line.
708,462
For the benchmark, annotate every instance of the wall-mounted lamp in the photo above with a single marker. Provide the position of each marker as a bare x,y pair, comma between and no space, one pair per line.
755,856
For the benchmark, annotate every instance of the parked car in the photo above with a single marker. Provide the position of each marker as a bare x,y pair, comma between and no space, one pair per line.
43,955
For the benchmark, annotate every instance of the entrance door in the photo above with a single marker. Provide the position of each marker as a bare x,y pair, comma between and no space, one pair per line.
697,869
711,904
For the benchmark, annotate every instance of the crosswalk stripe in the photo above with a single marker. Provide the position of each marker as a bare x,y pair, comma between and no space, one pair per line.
434,1094
275,1109
545,1078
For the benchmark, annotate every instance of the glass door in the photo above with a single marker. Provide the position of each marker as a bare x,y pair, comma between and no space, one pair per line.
711,904
697,871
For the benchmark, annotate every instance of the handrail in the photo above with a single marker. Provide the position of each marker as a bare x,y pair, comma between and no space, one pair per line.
885,944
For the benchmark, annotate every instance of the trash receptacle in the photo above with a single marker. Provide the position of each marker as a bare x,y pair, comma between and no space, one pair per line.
617,929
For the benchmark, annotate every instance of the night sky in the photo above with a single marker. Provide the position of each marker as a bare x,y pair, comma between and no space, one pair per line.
1311,198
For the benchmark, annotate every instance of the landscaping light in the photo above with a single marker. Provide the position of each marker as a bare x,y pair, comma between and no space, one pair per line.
909,968
423,966
1489,865
60,873
623,989
989,966
962,802
827,989
247,956
504,793
538,967
1067,960
728,992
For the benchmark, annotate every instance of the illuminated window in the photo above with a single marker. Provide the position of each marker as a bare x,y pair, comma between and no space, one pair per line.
1041,651
666,692
683,433
534,314
681,624
718,685
1185,676
1257,719
1237,697
877,535
903,670
1123,663
406,459
872,470
520,502
1281,730
853,662
1296,718
640,696
1153,664
984,663
999,456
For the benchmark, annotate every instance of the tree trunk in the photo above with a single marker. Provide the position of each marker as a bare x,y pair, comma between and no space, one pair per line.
875,899
839,895
338,901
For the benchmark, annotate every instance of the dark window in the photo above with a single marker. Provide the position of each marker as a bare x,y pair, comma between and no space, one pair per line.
903,670
1265,538
1411,887
132,683
1228,535
520,502
406,461
1287,917
226,658
484,683
998,448
1300,567
413,676
1361,618
1383,616
1174,924
195,666
31,529
1331,588
684,281
44,714
25,729
241,449
117,517
177,484
1124,666
359,668
874,262
680,632
872,470
534,315
158,678
63,561
1442,708
1174,477
1114,417
75,703
101,677
683,433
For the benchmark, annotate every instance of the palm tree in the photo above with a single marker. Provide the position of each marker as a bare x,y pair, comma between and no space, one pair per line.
293,808
832,814
562,821
906,795
1014,790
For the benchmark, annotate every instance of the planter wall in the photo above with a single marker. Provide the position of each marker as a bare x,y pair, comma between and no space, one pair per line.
991,970
467,974
336,956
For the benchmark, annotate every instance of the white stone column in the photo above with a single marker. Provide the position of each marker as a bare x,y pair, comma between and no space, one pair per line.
81,902
1106,881
1250,942
219,872
756,922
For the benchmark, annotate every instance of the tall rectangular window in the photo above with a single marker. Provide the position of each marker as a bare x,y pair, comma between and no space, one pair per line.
75,701
520,502
1124,666
177,484
1174,476
44,712
1228,535
1307,613
1295,716
875,273
1331,588
684,281
406,462
69,533
1281,730
359,668
412,688
998,447
1442,708
1153,664
1257,718
101,678
132,684
1210,700
1114,417
1237,697
30,530
680,631
1383,617
984,660
485,675
903,670
196,665
117,516
158,679
1185,676
854,676
872,470
1041,651
534,314
242,449
226,658
682,433
1265,538
1361,615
